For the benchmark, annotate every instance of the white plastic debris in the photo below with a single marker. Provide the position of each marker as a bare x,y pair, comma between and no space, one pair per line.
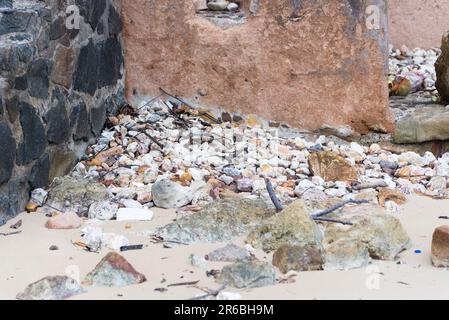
131,214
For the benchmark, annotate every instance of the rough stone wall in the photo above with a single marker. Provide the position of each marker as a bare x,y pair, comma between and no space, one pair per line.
418,23
308,63
58,86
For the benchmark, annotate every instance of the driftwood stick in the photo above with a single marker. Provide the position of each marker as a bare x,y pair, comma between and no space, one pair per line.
372,185
179,284
10,233
210,293
273,197
153,139
177,98
336,207
346,223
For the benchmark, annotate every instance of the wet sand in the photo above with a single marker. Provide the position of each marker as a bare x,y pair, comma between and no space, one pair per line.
26,258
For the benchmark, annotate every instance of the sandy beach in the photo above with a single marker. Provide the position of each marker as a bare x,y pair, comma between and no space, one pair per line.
26,258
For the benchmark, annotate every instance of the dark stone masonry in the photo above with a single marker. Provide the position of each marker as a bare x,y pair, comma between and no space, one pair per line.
57,87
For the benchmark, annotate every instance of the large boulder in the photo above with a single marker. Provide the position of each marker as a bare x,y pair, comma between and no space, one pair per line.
382,234
168,194
51,288
424,124
293,226
220,220
76,194
248,274
442,69
113,271
440,247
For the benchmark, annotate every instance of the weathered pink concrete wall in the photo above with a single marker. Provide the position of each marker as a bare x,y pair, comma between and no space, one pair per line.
418,23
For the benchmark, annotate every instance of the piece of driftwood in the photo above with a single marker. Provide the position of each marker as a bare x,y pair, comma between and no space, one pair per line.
372,185
179,284
273,197
177,98
16,225
210,292
318,216
132,247
346,223
336,207
10,233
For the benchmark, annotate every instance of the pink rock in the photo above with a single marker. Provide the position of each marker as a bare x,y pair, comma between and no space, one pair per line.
64,221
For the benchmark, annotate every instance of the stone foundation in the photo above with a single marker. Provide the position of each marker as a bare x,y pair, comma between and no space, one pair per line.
58,86
307,63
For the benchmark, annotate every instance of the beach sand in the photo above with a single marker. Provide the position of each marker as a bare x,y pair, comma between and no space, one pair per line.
26,258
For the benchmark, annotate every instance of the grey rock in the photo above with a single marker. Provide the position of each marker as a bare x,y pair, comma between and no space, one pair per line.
115,24
110,60
51,288
5,3
7,153
34,140
218,5
98,118
382,234
76,193
85,76
58,125
168,194
39,78
40,172
424,124
79,120
221,220
113,271
293,225
229,253
91,11
290,257
252,274
346,254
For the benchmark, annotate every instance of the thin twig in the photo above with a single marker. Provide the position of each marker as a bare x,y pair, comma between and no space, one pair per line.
10,233
346,223
273,197
336,207
151,101
179,284
372,185
177,98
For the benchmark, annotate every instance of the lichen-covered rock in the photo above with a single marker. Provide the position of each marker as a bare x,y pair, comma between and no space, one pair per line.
248,274
229,253
113,271
346,254
51,288
290,257
76,193
221,220
293,225
331,167
440,247
424,124
442,69
382,234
